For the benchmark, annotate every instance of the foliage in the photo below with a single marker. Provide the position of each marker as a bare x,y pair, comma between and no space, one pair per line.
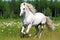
47,12
10,30
11,9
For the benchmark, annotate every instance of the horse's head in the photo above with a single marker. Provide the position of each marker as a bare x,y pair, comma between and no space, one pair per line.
26,7
22,8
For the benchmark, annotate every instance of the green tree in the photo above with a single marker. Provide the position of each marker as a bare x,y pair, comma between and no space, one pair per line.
6,10
47,11
1,9
12,5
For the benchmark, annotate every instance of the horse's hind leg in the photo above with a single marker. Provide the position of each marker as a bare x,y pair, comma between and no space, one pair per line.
42,26
37,30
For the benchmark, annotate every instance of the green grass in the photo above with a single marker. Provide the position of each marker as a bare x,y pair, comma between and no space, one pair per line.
15,35
12,32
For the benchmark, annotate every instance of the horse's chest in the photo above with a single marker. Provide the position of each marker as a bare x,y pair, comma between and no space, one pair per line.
27,21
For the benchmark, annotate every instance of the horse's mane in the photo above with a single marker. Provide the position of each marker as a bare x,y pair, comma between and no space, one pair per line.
30,7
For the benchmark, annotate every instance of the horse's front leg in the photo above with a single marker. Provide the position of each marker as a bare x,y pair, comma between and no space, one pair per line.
22,31
27,31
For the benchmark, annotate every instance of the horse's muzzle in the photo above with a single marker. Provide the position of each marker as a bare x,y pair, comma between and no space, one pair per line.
21,14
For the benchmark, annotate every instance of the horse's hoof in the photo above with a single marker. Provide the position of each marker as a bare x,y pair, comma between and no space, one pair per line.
22,34
30,35
25,34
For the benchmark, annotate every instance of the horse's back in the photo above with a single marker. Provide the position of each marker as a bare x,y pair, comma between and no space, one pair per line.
40,14
39,18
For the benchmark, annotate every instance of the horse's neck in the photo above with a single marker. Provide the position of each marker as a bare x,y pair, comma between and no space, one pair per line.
28,13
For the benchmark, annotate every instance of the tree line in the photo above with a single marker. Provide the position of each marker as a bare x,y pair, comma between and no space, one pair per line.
11,9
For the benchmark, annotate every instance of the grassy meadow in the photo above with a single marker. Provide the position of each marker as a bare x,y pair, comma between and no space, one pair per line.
10,30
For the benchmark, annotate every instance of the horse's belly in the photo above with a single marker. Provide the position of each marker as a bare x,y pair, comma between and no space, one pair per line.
36,22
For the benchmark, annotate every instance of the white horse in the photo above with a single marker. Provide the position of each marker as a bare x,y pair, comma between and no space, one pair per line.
31,18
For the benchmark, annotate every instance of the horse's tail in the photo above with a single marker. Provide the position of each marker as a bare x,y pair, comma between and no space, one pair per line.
49,23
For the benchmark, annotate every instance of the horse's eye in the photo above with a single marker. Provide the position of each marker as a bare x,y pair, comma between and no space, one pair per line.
23,8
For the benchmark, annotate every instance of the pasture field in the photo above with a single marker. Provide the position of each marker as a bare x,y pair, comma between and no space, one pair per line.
10,30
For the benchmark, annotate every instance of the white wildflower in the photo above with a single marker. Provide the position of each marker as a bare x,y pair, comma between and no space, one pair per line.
18,22
2,30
